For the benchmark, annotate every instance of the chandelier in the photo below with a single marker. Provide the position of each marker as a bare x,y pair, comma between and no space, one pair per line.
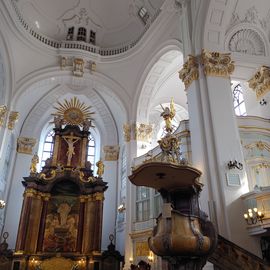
253,216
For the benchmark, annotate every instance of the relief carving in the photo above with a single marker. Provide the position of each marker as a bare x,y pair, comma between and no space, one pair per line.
143,132
111,152
78,67
25,145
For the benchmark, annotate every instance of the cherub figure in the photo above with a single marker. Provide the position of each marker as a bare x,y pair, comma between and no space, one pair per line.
34,162
100,166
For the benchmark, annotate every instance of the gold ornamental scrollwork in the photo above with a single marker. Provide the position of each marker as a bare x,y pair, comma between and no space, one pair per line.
190,71
127,132
48,178
260,82
259,145
217,64
3,113
30,192
143,132
13,117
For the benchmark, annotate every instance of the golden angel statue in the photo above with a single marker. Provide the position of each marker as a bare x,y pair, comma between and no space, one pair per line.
100,166
34,162
168,114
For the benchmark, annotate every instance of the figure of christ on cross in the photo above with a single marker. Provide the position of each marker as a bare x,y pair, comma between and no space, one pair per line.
70,140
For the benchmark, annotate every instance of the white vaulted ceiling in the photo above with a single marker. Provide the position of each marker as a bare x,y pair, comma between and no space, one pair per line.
115,22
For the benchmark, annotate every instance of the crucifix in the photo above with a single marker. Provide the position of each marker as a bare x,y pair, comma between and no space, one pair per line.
70,140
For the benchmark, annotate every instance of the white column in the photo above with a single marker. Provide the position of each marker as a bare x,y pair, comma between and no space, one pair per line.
130,207
215,141
110,202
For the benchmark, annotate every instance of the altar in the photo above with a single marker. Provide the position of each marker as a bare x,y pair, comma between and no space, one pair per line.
61,217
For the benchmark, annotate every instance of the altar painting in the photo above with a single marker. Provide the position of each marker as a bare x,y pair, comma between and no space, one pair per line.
61,225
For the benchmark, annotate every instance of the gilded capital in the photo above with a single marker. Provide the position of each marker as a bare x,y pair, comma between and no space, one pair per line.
111,152
13,117
99,196
127,132
217,64
30,192
25,145
260,82
3,113
190,71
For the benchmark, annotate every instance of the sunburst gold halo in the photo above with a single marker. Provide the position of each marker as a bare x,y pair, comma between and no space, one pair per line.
73,112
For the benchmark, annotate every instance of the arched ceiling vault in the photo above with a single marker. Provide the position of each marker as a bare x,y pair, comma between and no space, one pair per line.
161,83
44,93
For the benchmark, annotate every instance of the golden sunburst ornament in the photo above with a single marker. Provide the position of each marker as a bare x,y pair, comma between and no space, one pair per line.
73,112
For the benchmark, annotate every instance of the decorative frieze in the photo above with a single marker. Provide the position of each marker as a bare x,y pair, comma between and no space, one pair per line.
13,117
111,152
25,145
217,64
260,82
3,113
190,71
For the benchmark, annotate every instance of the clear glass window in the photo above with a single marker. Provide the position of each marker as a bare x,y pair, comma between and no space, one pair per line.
47,147
238,100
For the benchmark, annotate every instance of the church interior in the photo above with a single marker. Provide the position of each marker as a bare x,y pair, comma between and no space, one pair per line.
134,134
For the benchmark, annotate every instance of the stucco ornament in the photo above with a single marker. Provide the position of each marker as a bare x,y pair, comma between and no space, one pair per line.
189,72
260,82
217,64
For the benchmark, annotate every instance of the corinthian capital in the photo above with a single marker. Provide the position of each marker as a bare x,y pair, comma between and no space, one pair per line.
190,71
217,64
260,82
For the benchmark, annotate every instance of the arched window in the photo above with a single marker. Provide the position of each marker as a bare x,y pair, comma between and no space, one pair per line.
238,99
47,148
81,34
91,152
70,33
142,203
